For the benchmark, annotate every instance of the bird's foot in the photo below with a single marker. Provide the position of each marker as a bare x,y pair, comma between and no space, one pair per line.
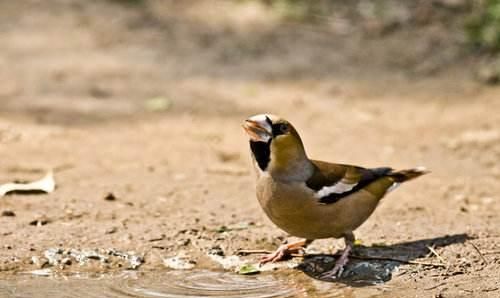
338,269
277,255
284,251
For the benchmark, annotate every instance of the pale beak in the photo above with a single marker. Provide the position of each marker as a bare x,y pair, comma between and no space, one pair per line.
258,128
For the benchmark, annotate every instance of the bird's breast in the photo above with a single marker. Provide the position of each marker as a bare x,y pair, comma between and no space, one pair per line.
294,209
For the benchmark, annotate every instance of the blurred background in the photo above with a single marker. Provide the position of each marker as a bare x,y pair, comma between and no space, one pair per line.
143,99
108,58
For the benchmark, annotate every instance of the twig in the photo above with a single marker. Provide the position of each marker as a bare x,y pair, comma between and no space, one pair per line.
244,252
435,286
479,252
161,246
491,252
434,252
162,237
398,260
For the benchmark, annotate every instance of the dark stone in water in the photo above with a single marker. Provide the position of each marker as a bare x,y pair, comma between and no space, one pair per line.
355,272
369,272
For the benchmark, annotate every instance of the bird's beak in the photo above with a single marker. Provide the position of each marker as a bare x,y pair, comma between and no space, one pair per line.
258,128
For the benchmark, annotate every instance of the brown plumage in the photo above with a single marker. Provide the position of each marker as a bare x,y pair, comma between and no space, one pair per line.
313,199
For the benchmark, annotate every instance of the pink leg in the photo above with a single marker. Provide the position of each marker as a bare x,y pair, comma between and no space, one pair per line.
285,250
342,261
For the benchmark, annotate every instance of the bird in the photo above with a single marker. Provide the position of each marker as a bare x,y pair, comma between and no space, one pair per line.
312,199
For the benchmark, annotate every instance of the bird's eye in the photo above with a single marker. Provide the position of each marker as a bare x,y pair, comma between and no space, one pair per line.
280,129
283,128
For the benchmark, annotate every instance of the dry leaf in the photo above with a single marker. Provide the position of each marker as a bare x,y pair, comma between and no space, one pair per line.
46,184
248,269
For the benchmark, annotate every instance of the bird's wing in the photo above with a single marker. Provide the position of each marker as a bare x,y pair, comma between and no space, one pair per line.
332,182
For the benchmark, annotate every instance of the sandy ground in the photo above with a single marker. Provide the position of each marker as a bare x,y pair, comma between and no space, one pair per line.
74,87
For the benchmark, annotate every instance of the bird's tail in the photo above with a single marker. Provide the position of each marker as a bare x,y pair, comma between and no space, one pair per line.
405,175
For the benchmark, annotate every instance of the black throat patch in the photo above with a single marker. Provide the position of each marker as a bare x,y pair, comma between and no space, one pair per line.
262,153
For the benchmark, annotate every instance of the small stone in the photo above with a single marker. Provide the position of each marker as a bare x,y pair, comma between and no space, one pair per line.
216,250
41,221
39,262
8,213
53,255
110,197
66,261
135,261
183,242
111,230
179,262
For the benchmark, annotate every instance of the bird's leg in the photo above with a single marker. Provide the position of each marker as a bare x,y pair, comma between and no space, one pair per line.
285,250
344,258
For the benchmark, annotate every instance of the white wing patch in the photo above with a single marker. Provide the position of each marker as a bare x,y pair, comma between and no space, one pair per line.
393,187
339,187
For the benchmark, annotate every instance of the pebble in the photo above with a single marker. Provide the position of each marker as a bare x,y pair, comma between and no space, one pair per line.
65,257
8,213
111,230
110,197
179,262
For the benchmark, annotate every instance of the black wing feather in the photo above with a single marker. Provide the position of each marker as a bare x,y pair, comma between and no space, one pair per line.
336,172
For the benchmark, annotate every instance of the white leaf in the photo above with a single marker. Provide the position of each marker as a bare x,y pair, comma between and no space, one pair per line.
46,184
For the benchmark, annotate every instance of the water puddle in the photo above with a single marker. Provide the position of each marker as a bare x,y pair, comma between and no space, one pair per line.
178,284
205,284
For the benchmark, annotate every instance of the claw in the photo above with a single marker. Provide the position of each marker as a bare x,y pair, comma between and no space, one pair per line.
284,251
338,269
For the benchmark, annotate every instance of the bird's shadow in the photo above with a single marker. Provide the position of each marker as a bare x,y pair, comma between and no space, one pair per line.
375,264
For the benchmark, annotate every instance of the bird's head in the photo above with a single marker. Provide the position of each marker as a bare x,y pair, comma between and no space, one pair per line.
276,146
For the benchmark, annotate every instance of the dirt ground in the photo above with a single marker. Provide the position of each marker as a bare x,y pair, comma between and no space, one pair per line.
76,80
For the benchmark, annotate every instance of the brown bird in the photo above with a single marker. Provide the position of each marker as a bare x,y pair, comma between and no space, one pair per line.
313,199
